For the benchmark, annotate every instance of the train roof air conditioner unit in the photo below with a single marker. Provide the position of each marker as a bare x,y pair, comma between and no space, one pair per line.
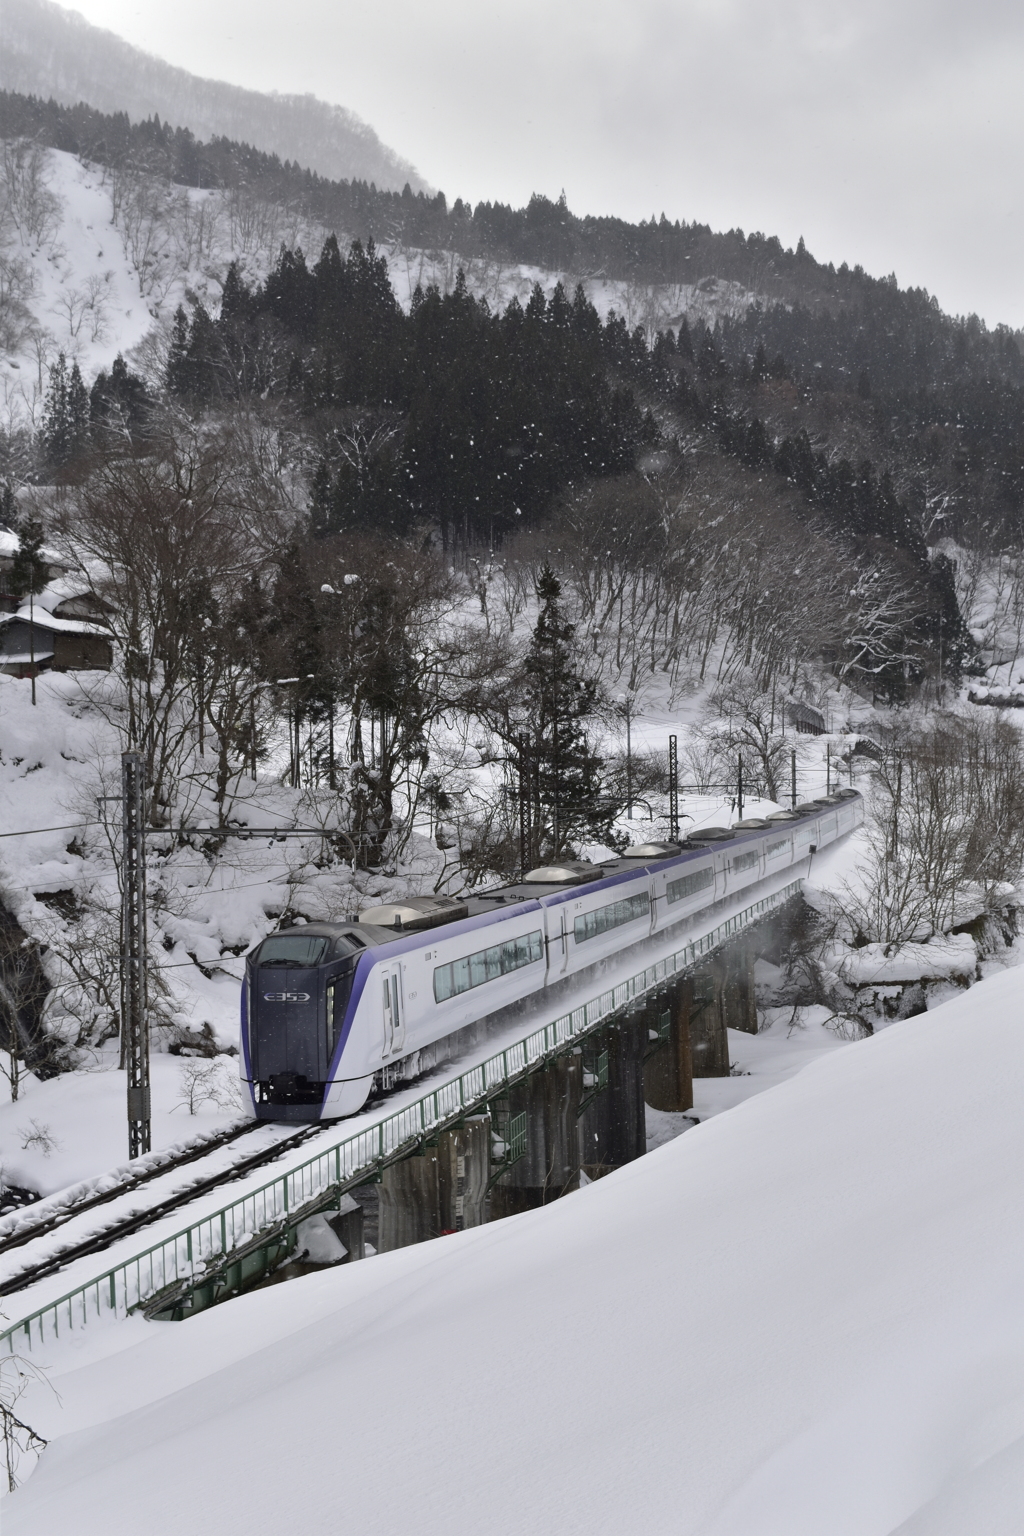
569,872
653,851
414,913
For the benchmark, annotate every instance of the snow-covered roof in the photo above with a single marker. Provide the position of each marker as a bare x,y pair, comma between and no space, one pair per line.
40,619
9,548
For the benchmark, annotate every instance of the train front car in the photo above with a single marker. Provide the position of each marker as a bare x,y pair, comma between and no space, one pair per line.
297,987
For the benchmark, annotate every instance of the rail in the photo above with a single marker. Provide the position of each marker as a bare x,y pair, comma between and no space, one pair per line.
195,1252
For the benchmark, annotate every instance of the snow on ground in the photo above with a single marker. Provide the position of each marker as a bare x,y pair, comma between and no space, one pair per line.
84,291
208,906
74,1126
800,1318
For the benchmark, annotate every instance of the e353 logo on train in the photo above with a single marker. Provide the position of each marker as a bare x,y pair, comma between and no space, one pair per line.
286,997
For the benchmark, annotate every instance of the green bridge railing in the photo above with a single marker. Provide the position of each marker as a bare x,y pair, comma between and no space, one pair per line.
199,1249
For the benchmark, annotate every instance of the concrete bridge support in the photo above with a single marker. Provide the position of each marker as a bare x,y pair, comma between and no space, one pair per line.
738,1002
613,1127
409,1209
464,1166
668,1073
550,1166
440,1189
708,1036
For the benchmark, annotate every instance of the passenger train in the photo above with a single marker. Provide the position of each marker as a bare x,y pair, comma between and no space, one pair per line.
334,1011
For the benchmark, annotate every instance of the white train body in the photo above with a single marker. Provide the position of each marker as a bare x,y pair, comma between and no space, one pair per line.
328,1009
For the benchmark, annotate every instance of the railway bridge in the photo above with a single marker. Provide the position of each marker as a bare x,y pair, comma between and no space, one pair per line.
561,1102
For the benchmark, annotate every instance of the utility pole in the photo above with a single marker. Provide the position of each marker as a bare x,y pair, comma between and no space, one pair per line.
739,785
524,804
134,998
673,789
627,710
32,639
792,777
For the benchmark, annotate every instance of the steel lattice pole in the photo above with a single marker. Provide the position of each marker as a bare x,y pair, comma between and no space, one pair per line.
134,999
673,790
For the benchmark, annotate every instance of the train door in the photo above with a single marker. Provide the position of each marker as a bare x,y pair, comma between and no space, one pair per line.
565,940
394,1010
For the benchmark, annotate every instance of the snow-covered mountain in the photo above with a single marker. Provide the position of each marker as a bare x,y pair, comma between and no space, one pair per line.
52,52
95,261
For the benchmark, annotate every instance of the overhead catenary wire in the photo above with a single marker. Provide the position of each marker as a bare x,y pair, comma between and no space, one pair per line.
71,826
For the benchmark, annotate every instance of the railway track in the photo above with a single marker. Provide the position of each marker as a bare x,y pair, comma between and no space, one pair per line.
62,1214
95,1242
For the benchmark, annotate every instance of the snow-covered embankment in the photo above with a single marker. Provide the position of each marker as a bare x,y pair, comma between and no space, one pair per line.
802,1317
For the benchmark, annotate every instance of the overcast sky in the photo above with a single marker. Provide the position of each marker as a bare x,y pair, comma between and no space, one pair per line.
886,132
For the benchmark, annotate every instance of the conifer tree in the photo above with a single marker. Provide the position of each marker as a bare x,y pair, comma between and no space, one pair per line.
178,371
8,507
29,571
78,410
119,399
556,699
65,414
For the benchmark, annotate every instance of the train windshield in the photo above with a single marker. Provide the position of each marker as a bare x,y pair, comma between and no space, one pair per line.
292,949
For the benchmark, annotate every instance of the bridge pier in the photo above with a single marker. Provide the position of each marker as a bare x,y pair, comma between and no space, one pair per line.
668,1073
708,1034
464,1166
613,1126
409,1201
438,1190
550,1166
738,1001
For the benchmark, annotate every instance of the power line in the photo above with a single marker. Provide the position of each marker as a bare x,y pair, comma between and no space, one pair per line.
71,826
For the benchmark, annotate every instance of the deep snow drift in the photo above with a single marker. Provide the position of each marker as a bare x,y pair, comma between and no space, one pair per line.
803,1317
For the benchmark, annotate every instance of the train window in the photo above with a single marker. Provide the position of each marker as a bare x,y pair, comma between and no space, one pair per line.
487,965
592,924
689,885
744,861
299,950
775,850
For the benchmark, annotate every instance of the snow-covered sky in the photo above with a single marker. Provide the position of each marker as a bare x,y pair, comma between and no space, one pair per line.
886,132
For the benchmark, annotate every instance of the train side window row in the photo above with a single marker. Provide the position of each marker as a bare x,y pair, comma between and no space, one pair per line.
487,965
592,924
689,885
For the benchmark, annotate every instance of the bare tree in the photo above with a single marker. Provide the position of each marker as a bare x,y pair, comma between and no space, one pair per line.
19,1438
161,535
947,822
744,721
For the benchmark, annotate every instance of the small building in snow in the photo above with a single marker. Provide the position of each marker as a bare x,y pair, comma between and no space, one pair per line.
39,641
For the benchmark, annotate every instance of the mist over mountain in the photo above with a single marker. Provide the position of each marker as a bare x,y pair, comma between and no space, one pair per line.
52,52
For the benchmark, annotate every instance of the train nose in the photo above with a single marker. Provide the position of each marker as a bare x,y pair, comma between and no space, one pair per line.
285,1084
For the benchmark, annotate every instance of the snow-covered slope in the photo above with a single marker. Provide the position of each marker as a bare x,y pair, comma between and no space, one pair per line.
53,52
802,1318
95,261
208,902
